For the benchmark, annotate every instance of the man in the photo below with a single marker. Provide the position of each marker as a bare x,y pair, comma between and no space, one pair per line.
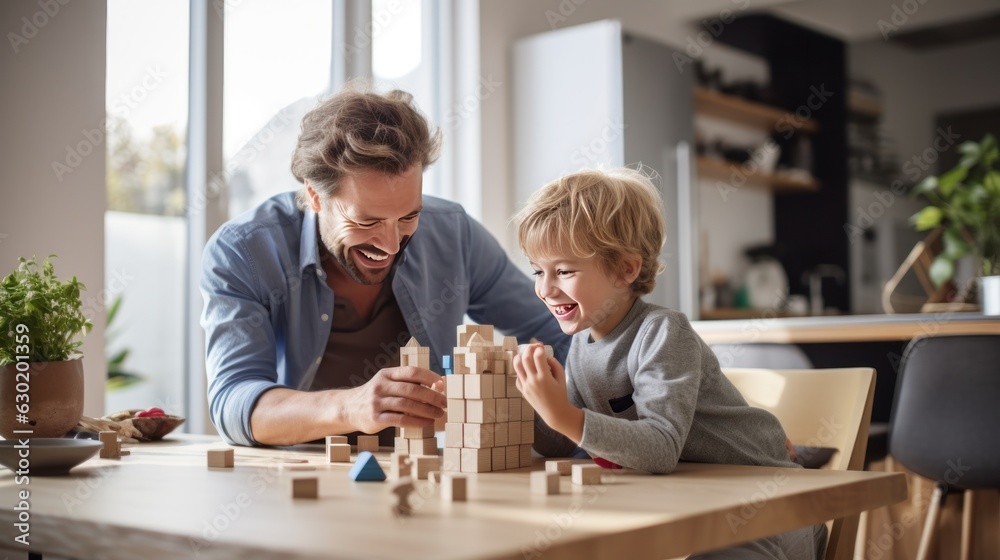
309,296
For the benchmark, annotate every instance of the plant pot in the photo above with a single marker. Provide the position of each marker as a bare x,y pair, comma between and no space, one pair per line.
54,398
989,294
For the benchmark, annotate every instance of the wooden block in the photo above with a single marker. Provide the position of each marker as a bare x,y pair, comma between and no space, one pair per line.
111,448
401,445
510,343
124,453
514,456
527,432
422,466
500,385
500,366
368,443
307,488
544,483
221,458
560,467
456,410
476,460
453,487
481,411
499,459
478,436
527,412
399,465
524,458
475,340
512,390
418,432
500,435
453,435
426,446
515,408
513,433
338,453
454,386
503,410
413,347
452,459
461,369
478,386
335,439
434,478
416,360
586,474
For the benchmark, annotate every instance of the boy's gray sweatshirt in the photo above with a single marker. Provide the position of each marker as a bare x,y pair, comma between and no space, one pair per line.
653,394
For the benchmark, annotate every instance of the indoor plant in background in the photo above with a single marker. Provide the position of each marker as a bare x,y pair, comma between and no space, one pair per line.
965,204
41,325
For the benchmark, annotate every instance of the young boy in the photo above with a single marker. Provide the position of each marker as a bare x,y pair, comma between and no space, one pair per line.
641,389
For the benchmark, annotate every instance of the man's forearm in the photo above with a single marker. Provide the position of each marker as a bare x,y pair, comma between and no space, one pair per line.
288,417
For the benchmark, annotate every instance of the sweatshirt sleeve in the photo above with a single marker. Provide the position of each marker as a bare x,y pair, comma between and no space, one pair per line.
665,368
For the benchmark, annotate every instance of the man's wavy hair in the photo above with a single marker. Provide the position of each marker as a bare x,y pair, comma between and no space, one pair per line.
357,131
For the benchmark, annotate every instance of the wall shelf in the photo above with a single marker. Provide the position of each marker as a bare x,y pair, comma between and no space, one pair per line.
719,169
720,105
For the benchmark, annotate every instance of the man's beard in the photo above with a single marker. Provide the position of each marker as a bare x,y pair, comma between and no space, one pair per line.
343,257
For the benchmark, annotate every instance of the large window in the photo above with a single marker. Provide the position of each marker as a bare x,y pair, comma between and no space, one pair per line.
277,60
147,108
277,65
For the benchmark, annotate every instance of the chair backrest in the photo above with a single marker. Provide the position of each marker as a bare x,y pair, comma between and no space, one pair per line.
818,408
946,412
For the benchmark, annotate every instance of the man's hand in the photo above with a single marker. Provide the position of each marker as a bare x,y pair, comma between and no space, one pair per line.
401,396
542,381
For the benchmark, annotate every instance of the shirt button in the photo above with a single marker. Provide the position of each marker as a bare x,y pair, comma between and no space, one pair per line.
325,317
319,272
319,359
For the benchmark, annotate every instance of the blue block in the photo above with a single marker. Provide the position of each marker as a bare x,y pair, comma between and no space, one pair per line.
447,372
446,362
366,469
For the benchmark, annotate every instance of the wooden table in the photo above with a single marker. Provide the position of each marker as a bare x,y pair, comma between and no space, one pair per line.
163,502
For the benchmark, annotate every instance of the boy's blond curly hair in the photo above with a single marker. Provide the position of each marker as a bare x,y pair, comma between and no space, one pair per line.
602,214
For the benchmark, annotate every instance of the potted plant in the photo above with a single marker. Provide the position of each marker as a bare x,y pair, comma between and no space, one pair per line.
41,372
965,204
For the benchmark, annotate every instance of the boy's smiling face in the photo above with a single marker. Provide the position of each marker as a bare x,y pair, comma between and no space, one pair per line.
582,294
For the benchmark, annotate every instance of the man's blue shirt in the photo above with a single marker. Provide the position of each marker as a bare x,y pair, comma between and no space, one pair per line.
268,307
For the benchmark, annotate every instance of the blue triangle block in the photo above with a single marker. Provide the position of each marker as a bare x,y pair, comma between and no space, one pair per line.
367,469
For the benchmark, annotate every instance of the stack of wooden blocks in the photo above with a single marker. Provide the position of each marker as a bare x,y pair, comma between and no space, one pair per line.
415,441
490,426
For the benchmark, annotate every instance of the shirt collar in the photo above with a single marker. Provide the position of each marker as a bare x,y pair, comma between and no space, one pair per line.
309,241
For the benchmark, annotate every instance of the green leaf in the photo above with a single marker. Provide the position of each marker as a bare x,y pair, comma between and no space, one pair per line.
955,246
927,218
942,269
948,181
926,186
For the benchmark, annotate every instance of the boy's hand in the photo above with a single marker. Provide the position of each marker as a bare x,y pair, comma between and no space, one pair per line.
542,381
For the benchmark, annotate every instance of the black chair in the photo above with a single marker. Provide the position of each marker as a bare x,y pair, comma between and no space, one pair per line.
945,419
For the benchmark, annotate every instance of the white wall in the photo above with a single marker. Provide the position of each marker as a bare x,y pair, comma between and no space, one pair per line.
51,90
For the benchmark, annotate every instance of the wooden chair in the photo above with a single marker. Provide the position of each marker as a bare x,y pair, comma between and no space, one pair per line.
818,408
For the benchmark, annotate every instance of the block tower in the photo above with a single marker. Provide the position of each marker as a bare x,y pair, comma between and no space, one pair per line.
415,441
490,426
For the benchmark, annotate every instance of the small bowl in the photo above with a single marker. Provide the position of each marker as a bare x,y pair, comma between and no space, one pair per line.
47,456
155,427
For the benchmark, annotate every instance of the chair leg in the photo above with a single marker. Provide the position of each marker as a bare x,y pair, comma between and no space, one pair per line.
968,503
933,511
